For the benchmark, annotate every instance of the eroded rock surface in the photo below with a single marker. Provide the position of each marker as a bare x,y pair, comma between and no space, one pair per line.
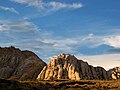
20,65
114,73
61,67
66,66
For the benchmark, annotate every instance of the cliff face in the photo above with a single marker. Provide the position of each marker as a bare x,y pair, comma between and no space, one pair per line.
89,72
20,65
66,66
61,67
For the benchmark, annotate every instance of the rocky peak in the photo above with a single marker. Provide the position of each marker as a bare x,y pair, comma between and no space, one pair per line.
64,59
66,66
10,49
17,64
65,56
62,66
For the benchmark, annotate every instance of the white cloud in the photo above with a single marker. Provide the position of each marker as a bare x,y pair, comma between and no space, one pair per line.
107,61
97,40
49,45
113,40
24,26
9,9
59,5
70,45
62,44
34,3
50,6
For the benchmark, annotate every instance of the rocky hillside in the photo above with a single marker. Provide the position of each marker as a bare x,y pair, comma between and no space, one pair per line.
20,65
25,65
66,66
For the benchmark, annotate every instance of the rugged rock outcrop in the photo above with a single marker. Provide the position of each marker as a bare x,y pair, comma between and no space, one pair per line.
20,65
66,66
61,67
114,73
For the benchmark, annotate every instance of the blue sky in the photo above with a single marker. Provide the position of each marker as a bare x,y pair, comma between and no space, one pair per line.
89,29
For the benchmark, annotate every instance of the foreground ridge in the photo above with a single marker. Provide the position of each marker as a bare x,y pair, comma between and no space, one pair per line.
66,66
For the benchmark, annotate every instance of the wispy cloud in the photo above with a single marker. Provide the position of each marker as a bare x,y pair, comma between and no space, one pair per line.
107,61
24,26
49,6
113,40
59,5
9,9
42,40
26,35
54,45
34,3
97,40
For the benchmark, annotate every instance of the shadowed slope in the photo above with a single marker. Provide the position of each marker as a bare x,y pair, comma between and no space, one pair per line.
17,64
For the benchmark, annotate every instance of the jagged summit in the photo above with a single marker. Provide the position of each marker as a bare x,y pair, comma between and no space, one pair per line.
63,55
66,66
13,50
9,49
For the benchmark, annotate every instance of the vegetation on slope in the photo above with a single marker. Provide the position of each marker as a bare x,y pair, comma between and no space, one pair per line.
60,85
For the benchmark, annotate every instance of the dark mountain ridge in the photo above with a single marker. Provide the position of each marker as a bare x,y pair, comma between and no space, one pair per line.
20,65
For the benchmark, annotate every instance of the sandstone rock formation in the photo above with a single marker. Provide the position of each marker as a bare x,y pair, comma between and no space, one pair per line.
66,66
61,67
114,73
17,64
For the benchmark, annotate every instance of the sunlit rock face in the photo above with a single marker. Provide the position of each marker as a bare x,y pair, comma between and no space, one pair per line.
66,66
63,66
114,73
20,65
